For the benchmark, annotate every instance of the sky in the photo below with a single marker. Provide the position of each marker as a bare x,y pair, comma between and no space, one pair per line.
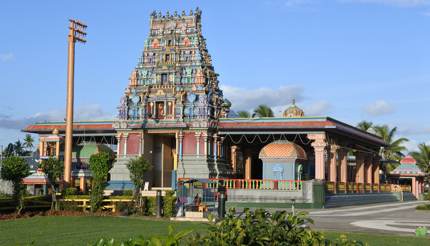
352,60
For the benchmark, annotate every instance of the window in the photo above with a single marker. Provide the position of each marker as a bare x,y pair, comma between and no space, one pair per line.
163,78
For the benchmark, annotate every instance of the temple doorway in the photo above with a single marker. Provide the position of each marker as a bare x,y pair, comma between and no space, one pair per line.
164,158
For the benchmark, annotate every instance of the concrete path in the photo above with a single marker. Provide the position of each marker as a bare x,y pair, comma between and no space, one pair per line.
398,218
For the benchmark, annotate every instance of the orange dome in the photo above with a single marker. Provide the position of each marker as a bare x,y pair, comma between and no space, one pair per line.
282,149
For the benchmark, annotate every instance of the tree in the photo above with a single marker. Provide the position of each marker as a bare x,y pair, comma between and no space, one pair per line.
138,167
14,169
53,168
392,153
263,111
19,148
423,158
365,125
28,142
243,114
100,164
9,150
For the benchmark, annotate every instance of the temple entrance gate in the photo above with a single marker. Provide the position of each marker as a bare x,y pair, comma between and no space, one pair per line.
164,159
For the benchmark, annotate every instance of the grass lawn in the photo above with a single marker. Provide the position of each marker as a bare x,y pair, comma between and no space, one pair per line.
84,230
381,239
57,230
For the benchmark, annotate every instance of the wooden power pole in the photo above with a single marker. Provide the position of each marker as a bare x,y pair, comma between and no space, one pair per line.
76,33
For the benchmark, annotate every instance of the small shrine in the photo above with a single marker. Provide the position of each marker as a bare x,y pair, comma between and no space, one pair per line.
36,183
409,173
282,160
293,111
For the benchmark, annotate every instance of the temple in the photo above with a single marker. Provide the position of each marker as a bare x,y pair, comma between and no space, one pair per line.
175,115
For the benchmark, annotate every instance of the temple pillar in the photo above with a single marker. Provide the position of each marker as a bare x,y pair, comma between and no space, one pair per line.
197,135
82,185
215,147
233,150
180,144
344,166
369,172
333,166
125,144
57,149
248,162
359,171
41,141
205,142
319,145
414,187
376,172
118,137
333,163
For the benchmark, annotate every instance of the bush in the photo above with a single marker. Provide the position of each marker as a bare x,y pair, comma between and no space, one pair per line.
127,193
172,239
149,206
70,191
423,207
426,196
69,206
126,208
169,204
251,228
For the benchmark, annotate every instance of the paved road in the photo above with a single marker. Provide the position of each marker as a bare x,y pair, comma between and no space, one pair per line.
399,218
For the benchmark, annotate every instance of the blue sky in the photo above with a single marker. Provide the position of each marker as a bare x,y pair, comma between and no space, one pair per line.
349,59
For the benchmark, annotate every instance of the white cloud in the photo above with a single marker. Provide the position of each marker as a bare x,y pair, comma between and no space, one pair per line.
85,112
7,57
317,108
397,3
411,145
248,99
378,108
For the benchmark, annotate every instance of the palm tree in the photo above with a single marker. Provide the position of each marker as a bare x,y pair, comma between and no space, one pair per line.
423,157
19,148
392,153
262,111
28,142
365,125
243,114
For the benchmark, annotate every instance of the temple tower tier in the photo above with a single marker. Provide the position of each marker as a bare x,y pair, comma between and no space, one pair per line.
170,109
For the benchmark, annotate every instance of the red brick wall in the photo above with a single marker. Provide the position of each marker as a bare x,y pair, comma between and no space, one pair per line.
133,144
189,144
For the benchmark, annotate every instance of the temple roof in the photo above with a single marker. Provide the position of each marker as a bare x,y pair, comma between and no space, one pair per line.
38,177
228,126
298,125
82,126
282,149
408,167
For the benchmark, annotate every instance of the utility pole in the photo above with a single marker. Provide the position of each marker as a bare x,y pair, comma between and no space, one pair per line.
76,33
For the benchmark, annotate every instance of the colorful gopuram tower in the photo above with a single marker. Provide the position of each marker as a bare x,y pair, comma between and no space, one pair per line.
170,109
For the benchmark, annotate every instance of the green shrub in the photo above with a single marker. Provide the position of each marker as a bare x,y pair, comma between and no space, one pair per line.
172,239
70,191
127,193
5,196
423,207
426,196
149,206
69,206
169,204
251,228
126,208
